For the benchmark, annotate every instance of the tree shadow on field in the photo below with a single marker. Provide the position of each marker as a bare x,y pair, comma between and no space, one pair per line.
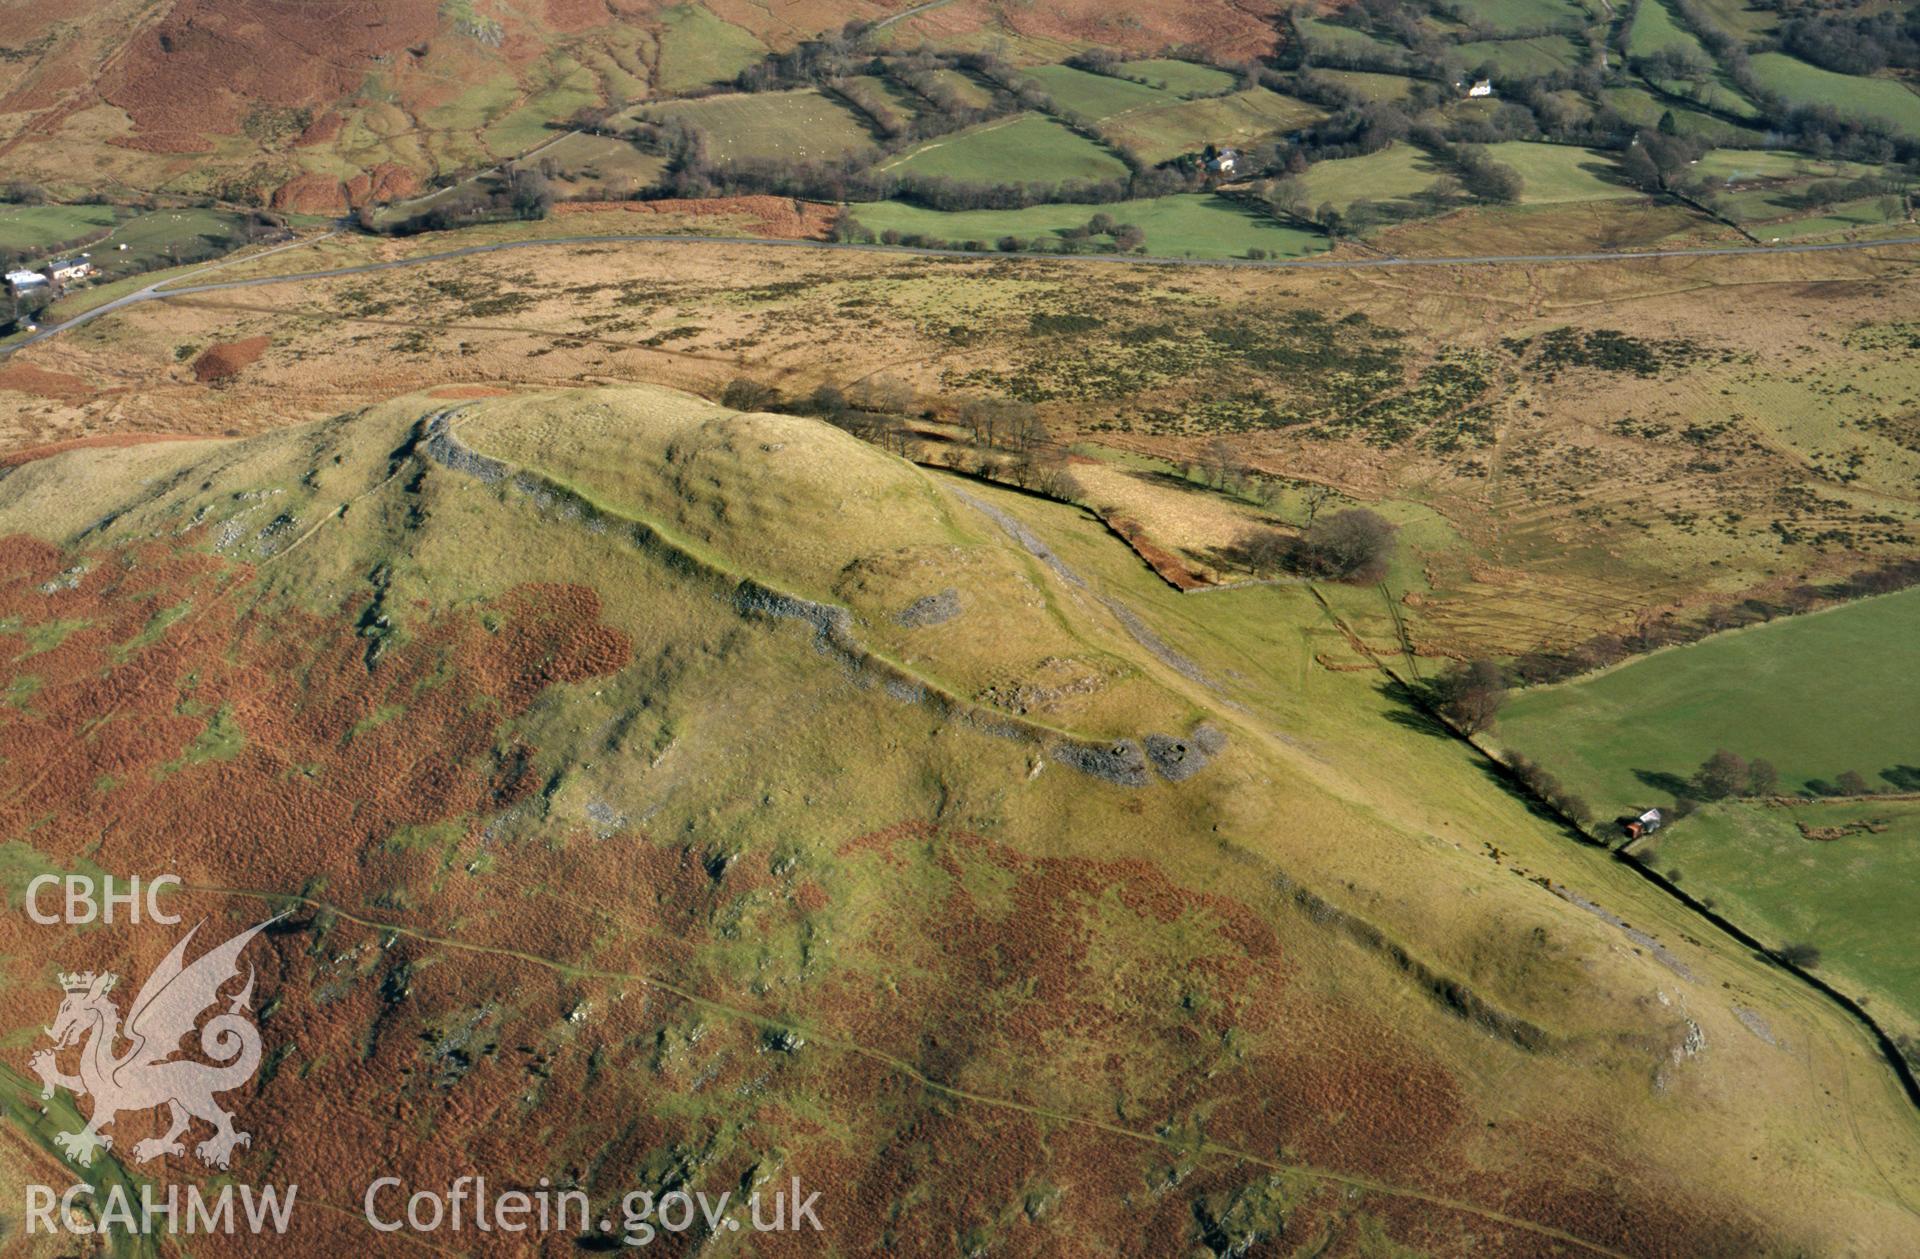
1660,780
1509,782
1170,480
1408,712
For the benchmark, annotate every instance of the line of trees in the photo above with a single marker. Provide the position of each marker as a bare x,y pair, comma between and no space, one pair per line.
1543,784
519,192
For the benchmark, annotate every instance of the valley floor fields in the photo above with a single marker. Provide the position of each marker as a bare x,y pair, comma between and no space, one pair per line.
1816,695
1841,876
1190,225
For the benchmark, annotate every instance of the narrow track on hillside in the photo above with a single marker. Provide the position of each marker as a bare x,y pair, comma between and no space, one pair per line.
906,1069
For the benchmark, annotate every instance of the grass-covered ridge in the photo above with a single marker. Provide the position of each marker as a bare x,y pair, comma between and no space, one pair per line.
716,878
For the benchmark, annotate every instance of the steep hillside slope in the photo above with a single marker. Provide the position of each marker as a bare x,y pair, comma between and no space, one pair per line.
666,796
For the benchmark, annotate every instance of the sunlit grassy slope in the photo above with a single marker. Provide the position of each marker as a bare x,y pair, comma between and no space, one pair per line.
1337,974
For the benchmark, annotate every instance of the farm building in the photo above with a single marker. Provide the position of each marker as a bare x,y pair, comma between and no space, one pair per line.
1646,824
1223,162
1482,87
19,282
67,270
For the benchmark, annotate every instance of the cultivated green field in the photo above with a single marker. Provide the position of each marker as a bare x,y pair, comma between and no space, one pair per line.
586,162
1373,87
1185,78
1027,148
34,227
1560,172
1543,54
1735,165
1817,695
1655,29
1804,84
153,237
1160,132
1516,15
1643,109
1189,225
796,124
698,49
1345,38
1095,96
1855,897
1393,173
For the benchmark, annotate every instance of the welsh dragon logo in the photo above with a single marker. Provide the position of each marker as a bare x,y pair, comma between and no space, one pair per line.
147,1074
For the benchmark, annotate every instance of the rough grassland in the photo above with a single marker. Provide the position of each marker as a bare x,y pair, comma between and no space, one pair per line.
725,882
1817,695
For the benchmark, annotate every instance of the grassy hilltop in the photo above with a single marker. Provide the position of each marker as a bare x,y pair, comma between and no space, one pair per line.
821,815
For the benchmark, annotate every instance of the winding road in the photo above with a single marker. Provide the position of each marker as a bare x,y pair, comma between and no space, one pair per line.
175,288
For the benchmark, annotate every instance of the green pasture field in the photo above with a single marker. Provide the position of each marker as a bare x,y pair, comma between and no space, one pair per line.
1655,29
1345,38
1855,897
1519,15
1737,165
590,161
569,88
697,49
1835,220
147,234
1643,109
1739,19
1197,225
1521,58
1184,78
1160,132
37,227
1373,87
1561,172
1027,148
1095,96
796,124
968,89
1804,84
1399,171
1719,92
1817,695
